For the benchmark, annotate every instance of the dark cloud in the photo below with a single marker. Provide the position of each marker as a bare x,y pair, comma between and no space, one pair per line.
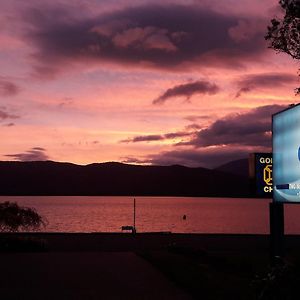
264,81
34,154
193,126
161,36
39,149
195,118
156,137
9,124
67,101
252,128
229,138
206,157
8,88
243,90
144,138
177,134
133,160
187,90
5,115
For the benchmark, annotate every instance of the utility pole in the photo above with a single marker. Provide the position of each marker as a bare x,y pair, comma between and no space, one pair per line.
134,208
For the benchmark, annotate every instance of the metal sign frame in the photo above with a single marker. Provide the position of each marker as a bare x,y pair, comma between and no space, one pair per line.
283,185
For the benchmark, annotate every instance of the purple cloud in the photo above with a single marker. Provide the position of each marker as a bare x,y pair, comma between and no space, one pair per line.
206,157
5,115
229,138
34,154
158,36
156,137
8,88
263,81
187,90
252,128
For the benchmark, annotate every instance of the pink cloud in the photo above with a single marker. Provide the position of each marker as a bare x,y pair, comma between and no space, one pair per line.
147,38
8,88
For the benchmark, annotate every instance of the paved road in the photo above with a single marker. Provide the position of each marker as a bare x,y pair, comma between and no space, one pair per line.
84,275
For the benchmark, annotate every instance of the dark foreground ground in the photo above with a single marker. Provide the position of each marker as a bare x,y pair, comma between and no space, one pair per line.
146,266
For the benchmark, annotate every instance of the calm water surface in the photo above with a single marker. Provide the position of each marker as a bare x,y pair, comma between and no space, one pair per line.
204,215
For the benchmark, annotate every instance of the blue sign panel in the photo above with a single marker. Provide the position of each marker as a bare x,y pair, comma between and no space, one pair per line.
286,155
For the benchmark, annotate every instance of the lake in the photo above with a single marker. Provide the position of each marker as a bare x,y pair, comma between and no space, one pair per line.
203,215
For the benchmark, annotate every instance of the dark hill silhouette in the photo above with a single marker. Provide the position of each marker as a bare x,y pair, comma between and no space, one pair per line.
238,167
53,178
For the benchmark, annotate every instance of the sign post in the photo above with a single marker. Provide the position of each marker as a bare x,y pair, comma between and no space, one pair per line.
276,230
261,178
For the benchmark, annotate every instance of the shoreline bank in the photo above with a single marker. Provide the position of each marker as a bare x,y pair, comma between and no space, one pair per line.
142,266
100,241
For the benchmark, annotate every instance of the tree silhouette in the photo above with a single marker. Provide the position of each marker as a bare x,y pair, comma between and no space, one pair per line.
14,218
284,34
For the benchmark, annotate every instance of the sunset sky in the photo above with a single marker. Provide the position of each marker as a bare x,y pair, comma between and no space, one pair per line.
148,82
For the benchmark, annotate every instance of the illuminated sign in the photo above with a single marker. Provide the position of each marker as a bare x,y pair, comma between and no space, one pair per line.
286,155
260,171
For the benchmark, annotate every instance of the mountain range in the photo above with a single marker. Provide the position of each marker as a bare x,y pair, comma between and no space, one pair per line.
118,179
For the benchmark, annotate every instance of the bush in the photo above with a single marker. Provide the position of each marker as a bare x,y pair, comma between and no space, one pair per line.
14,218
